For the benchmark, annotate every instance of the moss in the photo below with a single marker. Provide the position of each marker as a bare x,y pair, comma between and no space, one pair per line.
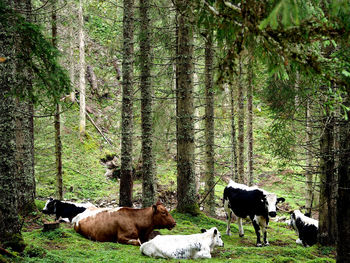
192,209
15,242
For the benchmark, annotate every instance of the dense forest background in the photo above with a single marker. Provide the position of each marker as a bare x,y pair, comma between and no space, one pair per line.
127,102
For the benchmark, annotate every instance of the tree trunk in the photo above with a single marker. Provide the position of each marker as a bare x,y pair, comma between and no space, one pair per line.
309,190
234,167
186,183
250,125
241,176
328,187
209,126
82,125
126,180
57,122
71,55
343,209
92,80
10,232
148,186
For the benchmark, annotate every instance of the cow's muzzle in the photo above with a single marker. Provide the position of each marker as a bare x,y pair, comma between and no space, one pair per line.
172,226
272,214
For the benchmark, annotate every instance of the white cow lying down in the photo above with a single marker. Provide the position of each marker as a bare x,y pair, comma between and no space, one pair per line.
183,246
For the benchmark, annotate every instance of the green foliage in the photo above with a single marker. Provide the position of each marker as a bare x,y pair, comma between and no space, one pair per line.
37,57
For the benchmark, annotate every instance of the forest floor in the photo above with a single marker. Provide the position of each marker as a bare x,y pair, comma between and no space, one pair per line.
65,245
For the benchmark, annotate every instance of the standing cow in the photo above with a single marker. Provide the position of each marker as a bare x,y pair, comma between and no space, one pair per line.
183,246
305,227
123,224
252,202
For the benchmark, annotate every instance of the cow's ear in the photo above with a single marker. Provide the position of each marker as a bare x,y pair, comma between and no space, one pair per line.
203,230
280,200
215,232
154,207
50,199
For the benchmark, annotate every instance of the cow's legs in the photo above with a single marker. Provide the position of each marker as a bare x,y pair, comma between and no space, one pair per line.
128,241
263,225
240,226
257,232
229,216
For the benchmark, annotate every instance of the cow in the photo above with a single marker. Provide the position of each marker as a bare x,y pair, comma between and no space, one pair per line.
64,209
305,227
123,224
252,202
183,246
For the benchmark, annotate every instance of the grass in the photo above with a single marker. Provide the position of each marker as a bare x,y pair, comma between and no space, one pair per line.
65,245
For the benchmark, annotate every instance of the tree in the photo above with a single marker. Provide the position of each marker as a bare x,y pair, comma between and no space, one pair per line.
209,124
82,125
250,124
241,177
57,122
126,181
148,187
186,182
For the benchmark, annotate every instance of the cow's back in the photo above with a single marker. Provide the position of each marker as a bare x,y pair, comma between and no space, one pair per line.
245,203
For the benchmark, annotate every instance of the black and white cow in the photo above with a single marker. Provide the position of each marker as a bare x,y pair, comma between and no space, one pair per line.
305,227
183,246
252,202
64,209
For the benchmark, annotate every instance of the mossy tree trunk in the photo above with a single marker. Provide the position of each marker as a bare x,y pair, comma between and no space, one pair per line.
57,121
148,187
241,176
209,125
24,126
343,209
250,138
234,166
126,180
186,181
328,184
309,168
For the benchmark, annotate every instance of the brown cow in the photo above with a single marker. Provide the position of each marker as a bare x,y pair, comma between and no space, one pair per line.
123,225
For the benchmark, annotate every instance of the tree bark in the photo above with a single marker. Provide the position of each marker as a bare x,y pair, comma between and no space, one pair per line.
343,209
209,126
25,127
126,180
328,188
250,125
309,190
148,186
234,166
241,176
186,183
92,80
82,123
57,122
9,220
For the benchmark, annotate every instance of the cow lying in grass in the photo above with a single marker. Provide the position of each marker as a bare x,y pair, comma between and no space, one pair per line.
305,227
183,246
64,209
123,224
252,202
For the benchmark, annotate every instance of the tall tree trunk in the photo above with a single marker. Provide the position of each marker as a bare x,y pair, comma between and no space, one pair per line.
197,149
343,208
250,125
10,232
148,186
186,183
234,166
126,180
82,123
71,51
328,191
209,126
57,122
241,176
25,128
309,190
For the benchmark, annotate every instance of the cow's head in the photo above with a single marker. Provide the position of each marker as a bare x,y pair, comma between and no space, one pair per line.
161,217
272,201
217,241
50,207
